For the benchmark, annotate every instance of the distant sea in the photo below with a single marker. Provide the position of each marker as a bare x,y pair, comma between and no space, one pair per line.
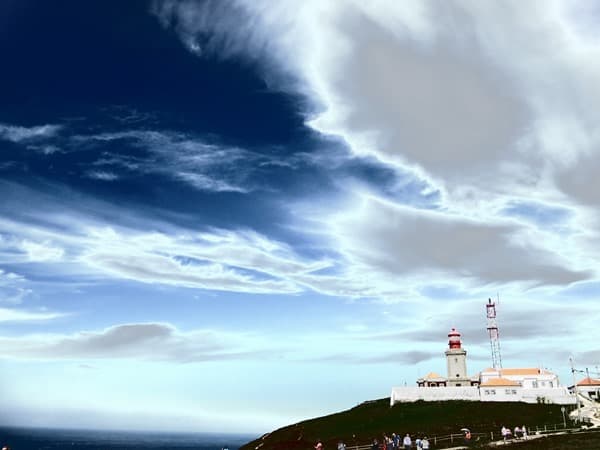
46,439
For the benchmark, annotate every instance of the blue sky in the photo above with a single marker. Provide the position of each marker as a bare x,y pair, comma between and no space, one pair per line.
234,215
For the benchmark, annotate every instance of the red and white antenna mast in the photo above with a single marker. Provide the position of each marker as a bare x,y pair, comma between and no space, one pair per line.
492,328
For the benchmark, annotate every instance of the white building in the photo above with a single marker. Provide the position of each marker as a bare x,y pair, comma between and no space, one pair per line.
590,387
529,385
530,377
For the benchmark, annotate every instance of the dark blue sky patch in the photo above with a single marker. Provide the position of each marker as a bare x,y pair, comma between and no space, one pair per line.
113,69
96,54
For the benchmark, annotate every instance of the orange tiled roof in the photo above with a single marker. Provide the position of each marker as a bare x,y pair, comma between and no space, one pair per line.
518,371
432,376
500,382
589,382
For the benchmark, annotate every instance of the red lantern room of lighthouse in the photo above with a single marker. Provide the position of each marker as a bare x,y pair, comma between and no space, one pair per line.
454,339
456,359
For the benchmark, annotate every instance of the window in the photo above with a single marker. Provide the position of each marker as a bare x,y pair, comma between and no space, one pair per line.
486,392
514,392
550,384
493,391
534,384
507,391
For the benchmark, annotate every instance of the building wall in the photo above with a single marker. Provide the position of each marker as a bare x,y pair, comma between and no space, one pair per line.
412,394
541,381
560,396
501,393
557,395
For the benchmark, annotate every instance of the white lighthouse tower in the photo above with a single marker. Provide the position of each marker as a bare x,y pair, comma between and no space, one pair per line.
456,359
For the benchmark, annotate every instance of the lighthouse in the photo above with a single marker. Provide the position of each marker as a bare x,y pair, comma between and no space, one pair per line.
456,359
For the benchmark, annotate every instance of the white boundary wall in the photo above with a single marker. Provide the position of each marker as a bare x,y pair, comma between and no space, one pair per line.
558,395
431,394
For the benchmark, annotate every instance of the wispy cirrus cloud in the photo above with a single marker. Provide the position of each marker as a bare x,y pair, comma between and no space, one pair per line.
76,242
18,134
102,175
204,166
176,155
13,287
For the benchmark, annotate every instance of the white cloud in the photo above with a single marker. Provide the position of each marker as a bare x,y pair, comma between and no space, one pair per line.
12,287
77,243
205,183
18,315
204,166
41,251
141,341
102,175
18,134
487,105
425,244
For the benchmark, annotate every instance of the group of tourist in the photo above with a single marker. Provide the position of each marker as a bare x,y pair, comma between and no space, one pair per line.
518,433
396,442
393,442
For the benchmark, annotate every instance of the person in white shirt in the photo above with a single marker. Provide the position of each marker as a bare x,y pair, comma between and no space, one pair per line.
407,442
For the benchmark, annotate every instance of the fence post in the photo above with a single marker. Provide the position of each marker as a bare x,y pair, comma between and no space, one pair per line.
545,429
491,435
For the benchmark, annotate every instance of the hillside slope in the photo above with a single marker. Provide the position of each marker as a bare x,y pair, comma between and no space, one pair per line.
372,419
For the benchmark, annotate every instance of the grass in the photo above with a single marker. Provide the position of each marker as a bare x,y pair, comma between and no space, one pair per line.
373,419
581,441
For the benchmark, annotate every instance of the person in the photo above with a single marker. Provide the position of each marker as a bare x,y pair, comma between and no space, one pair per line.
396,439
389,443
517,432
341,446
425,443
319,445
418,443
505,433
524,432
467,438
407,442
375,445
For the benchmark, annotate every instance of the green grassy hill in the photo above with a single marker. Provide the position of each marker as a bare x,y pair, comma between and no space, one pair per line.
372,419
589,440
